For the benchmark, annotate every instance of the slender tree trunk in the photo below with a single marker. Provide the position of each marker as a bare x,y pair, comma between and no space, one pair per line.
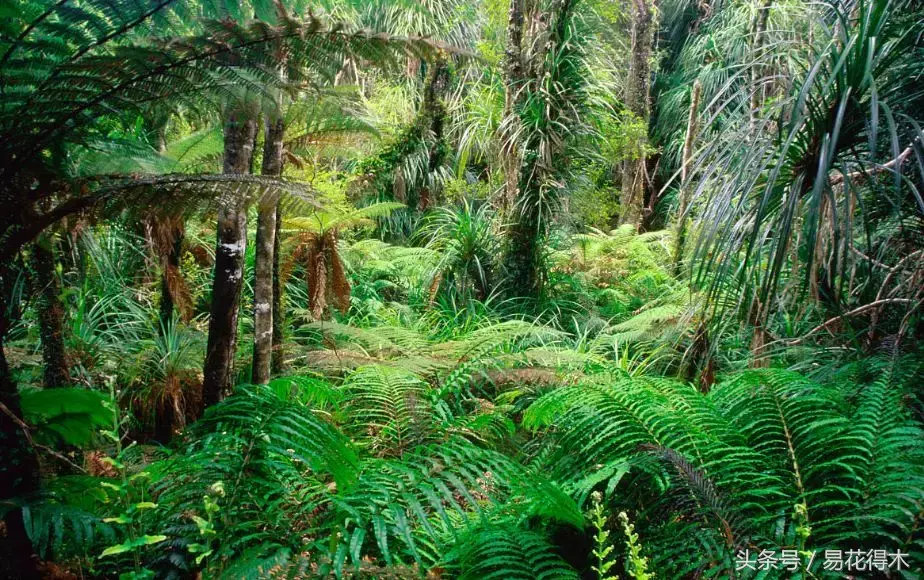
172,264
638,90
757,42
264,259
50,312
688,146
19,473
172,231
240,132
278,362
434,113
759,336
522,263
513,81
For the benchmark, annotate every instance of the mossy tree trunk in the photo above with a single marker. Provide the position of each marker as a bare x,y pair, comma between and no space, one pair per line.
513,80
541,169
240,132
638,89
47,287
434,120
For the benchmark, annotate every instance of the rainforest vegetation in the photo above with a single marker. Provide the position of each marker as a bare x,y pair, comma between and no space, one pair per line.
506,289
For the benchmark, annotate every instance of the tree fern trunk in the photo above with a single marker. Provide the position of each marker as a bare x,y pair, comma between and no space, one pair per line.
170,268
632,199
264,257
240,131
50,311
19,474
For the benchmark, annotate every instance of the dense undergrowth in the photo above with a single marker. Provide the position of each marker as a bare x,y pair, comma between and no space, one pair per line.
530,289
411,439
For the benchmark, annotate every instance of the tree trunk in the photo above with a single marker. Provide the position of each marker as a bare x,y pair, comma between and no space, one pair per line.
632,200
513,80
434,113
688,146
240,132
278,362
522,263
50,311
264,258
19,473
757,42
530,214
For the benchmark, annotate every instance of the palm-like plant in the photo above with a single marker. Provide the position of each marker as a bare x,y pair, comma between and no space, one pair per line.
317,243
768,458
826,178
468,247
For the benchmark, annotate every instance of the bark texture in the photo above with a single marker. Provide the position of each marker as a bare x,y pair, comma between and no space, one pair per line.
240,131
50,312
278,359
638,91
434,118
513,80
263,313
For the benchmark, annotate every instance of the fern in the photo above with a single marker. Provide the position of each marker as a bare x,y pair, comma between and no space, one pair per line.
393,408
64,520
412,508
273,458
504,551
768,458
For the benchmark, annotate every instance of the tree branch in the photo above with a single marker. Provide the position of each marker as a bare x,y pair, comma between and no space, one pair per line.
25,430
853,312
839,178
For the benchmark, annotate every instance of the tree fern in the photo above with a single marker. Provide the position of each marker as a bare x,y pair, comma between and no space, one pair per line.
393,408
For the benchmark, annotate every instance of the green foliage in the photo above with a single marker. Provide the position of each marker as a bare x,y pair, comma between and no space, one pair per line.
741,460
506,552
464,239
69,416
602,547
64,521
431,428
637,564
773,204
